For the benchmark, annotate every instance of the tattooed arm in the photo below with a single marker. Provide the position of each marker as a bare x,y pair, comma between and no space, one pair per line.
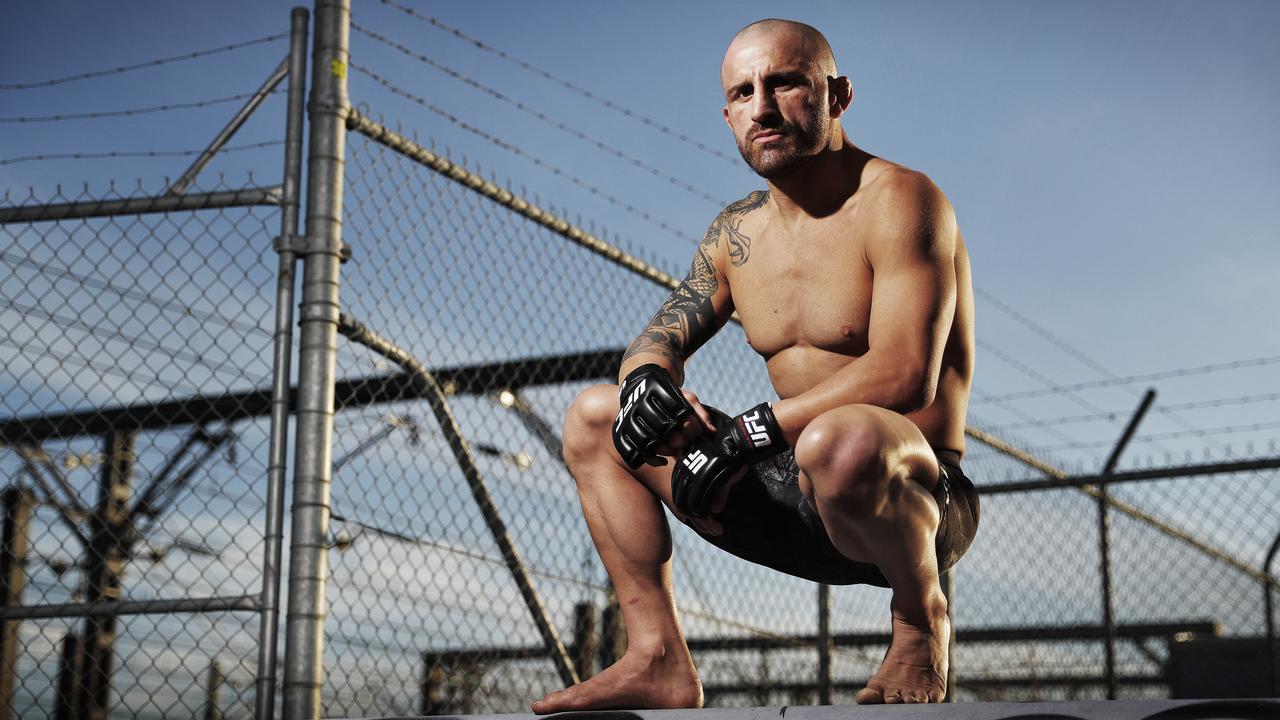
701,304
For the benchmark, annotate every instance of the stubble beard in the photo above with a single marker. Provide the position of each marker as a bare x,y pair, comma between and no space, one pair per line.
798,143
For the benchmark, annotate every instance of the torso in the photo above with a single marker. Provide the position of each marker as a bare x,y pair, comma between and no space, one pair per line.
804,298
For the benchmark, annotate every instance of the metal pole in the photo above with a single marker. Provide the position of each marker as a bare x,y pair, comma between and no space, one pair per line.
244,197
308,543
1104,542
824,644
1267,587
265,695
462,454
108,550
18,503
232,127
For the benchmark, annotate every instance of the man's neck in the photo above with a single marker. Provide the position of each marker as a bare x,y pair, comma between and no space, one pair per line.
820,186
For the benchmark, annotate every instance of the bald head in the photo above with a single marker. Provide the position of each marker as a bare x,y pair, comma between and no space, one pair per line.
804,40
783,99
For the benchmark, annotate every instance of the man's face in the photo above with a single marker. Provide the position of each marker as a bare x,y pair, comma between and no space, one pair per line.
775,101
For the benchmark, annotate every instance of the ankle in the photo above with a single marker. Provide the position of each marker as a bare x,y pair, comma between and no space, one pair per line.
929,605
656,650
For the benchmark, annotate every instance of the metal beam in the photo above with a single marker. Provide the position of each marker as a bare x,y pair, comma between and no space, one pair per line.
237,121
1120,506
132,607
1157,473
231,407
1030,633
461,449
244,197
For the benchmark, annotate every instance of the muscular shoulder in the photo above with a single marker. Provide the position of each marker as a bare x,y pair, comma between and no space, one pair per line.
905,211
726,240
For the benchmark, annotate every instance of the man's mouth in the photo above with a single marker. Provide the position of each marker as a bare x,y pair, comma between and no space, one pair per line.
765,136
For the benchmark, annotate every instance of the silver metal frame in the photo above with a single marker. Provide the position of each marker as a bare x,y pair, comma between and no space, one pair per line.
313,473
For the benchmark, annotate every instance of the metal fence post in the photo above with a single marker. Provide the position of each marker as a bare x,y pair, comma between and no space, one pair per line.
1104,541
105,557
1269,608
308,560
273,533
15,520
824,644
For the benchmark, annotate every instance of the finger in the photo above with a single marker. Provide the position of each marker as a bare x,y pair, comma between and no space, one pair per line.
698,425
703,415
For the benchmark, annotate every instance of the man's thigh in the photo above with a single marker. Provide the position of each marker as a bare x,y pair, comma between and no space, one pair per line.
765,518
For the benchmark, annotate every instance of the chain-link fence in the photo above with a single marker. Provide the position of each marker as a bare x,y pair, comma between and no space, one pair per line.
447,566
136,351
456,271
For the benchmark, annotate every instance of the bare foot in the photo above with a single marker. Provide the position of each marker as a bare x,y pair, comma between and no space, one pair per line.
637,681
915,667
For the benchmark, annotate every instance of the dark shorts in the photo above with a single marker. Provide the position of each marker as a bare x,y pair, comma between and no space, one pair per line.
769,522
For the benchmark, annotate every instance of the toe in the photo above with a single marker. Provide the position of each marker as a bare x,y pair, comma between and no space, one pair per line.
869,696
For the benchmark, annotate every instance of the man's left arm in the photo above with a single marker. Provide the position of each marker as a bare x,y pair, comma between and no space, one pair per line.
910,243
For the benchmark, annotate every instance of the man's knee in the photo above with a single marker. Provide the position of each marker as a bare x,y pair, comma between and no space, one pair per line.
840,453
588,420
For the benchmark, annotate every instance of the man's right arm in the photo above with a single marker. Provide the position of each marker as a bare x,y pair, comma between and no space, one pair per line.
694,311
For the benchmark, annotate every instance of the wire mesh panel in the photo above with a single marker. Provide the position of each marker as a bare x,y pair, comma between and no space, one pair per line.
462,282
135,351
479,292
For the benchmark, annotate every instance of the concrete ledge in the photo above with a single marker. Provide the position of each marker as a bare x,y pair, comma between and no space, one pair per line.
1262,709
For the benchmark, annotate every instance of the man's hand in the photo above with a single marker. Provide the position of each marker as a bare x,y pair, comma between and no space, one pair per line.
653,407
713,461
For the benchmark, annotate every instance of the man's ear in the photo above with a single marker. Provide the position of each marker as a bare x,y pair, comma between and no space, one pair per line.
725,112
839,94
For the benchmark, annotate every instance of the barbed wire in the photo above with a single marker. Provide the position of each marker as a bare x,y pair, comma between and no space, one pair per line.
38,351
147,64
1194,405
135,154
1072,351
133,111
181,309
557,171
598,144
1223,430
1163,375
228,369
647,121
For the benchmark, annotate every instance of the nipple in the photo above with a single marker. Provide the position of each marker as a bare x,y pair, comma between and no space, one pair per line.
848,330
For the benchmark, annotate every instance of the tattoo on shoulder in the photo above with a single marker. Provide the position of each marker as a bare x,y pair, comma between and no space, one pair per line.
729,224
686,320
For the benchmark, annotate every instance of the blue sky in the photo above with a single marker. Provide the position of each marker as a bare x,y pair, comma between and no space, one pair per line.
1114,167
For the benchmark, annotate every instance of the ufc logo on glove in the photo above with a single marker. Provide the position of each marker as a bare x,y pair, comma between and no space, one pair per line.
755,429
695,460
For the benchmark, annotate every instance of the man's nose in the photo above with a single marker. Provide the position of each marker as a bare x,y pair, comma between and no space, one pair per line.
763,107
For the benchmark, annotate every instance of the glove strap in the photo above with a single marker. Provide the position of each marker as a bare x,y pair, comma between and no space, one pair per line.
758,435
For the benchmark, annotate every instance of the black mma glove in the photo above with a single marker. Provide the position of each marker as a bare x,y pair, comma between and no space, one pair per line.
710,462
652,408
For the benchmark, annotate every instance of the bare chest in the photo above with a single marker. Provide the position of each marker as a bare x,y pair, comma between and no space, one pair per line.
810,289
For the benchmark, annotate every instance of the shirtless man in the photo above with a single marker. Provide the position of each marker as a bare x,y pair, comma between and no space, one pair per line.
852,282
